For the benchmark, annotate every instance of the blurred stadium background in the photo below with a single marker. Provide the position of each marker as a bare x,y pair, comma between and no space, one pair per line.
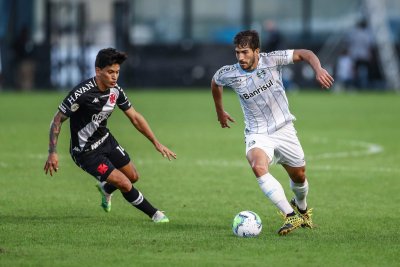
51,44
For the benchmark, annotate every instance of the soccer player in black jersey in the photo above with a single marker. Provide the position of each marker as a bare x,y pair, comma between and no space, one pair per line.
93,148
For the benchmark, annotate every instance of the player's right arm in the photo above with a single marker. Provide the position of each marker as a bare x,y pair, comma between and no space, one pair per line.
223,116
55,129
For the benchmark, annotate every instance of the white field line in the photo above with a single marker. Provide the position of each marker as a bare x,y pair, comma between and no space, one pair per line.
352,169
360,149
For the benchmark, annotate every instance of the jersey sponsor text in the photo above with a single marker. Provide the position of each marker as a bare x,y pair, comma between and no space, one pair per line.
259,90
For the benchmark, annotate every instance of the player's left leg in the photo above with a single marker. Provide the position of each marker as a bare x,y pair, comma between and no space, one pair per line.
299,186
134,196
291,157
121,160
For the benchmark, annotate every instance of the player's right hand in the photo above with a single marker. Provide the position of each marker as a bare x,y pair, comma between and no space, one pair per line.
223,119
51,163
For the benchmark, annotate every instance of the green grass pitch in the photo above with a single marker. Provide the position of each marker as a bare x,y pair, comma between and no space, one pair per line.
352,147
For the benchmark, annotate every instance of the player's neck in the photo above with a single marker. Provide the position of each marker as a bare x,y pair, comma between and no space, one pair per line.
100,85
253,67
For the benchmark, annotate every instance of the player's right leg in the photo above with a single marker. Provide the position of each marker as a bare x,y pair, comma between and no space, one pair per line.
258,161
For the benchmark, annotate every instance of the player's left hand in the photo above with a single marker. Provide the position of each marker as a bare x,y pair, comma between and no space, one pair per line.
324,78
165,152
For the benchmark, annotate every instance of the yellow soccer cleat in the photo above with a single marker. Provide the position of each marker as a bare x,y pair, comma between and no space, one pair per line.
291,223
305,215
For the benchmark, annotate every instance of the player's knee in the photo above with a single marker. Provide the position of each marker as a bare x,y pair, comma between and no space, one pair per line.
134,177
259,169
124,185
299,176
120,181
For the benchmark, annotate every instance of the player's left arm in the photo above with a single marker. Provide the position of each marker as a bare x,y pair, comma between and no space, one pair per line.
143,127
321,75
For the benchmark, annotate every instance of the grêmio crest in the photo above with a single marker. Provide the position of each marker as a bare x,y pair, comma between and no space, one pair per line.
260,74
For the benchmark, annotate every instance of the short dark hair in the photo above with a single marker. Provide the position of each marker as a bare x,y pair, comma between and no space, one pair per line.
109,56
248,38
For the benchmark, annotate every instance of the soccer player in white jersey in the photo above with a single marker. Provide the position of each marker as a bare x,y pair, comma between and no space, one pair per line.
269,132
93,148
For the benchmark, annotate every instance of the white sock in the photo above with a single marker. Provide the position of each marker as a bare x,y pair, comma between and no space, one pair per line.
300,191
274,191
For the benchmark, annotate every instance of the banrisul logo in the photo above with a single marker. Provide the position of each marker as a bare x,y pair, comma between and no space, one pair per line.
259,90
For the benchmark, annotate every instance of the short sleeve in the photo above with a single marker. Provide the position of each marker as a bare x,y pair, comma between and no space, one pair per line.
221,73
281,57
68,105
217,79
123,101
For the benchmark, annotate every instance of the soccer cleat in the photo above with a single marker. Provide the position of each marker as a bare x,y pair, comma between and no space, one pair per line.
159,217
291,223
305,215
105,198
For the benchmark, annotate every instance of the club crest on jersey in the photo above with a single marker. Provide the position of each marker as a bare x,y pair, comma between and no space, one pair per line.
112,98
261,74
74,107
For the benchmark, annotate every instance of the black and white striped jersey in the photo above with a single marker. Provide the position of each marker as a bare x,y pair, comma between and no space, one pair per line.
88,109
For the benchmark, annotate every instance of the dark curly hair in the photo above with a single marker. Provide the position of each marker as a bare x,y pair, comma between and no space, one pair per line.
248,38
109,56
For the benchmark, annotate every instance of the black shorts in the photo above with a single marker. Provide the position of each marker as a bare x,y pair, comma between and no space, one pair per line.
101,161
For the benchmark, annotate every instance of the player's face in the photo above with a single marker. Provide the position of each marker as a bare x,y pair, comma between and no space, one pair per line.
107,77
247,58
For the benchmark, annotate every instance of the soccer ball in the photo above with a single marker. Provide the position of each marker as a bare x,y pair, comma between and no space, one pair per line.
246,224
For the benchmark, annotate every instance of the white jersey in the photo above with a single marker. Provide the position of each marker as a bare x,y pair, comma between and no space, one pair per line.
261,92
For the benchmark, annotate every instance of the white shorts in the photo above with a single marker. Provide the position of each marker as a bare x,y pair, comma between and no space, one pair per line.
283,146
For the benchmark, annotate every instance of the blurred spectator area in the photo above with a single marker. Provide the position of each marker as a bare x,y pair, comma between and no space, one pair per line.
169,42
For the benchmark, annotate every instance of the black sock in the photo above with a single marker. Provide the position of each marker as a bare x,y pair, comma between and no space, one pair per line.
291,214
109,188
139,201
302,211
